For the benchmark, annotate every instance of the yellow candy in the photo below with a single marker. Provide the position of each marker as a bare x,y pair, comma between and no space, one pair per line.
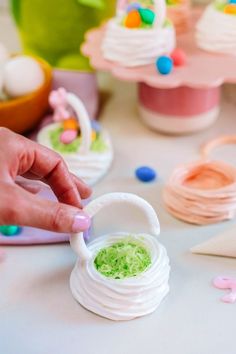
230,9
133,19
93,135
70,124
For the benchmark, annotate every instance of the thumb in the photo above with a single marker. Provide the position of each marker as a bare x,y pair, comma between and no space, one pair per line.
19,207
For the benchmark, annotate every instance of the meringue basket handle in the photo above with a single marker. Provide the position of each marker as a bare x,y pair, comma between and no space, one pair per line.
84,121
207,148
77,240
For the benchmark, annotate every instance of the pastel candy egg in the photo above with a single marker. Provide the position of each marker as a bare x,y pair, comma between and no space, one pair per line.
133,19
145,174
93,135
179,57
22,75
133,6
147,16
230,9
68,136
70,124
10,230
96,126
164,65
232,1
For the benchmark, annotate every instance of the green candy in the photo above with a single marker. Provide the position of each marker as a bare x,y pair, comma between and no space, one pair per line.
9,230
147,16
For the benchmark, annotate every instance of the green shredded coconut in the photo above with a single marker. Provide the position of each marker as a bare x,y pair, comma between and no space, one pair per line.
98,145
124,259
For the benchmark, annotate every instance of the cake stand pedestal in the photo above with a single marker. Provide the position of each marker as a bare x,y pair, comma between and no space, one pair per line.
185,101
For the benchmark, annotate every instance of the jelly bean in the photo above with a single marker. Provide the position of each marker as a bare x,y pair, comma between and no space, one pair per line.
232,1
96,126
145,174
164,65
230,9
10,230
147,16
68,136
70,124
179,57
93,135
133,19
134,6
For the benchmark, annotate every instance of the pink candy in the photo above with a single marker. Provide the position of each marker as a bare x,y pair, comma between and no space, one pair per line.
68,136
226,283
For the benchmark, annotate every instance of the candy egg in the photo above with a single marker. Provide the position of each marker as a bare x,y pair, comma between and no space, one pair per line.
145,174
164,65
96,126
232,1
68,136
147,16
94,135
133,19
230,9
10,230
70,124
133,6
179,57
22,75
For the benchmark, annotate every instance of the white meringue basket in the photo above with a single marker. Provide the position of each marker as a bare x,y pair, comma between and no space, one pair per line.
88,165
130,297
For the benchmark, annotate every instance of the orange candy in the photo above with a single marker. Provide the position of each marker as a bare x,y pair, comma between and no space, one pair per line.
133,19
94,135
230,9
70,124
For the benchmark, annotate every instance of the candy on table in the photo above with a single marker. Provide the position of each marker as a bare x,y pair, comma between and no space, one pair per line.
226,283
21,76
133,19
179,57
230,9
145,174
164,65
10,230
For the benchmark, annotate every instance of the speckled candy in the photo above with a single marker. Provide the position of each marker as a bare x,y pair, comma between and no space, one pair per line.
133,19
147,16
10,230
164,65
179,57
145,174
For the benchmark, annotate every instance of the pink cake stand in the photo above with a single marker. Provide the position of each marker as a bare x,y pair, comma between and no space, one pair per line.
185,101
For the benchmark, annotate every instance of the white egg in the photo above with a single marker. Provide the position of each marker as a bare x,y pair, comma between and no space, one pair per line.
22,75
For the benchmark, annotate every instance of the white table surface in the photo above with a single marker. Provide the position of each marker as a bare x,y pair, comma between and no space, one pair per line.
37,312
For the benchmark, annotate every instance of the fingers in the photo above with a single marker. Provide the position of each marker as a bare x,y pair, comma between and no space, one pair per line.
84,190
20,207
32,187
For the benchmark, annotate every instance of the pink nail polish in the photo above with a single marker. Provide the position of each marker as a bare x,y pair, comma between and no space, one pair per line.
81,222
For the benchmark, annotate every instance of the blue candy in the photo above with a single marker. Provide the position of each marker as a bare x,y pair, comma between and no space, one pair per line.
145,174
164,65
96,126
134,6
232,1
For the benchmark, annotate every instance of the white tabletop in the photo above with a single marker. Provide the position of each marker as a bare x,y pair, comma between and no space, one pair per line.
37,312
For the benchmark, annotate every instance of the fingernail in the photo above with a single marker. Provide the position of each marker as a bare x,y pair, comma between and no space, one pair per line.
81,222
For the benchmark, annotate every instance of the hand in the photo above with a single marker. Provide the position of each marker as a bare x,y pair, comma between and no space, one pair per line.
18,206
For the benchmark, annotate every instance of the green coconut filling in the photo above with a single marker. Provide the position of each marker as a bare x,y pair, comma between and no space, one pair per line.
123,259
98,145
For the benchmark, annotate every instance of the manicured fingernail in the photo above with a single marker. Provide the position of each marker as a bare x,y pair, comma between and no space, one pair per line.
81,222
